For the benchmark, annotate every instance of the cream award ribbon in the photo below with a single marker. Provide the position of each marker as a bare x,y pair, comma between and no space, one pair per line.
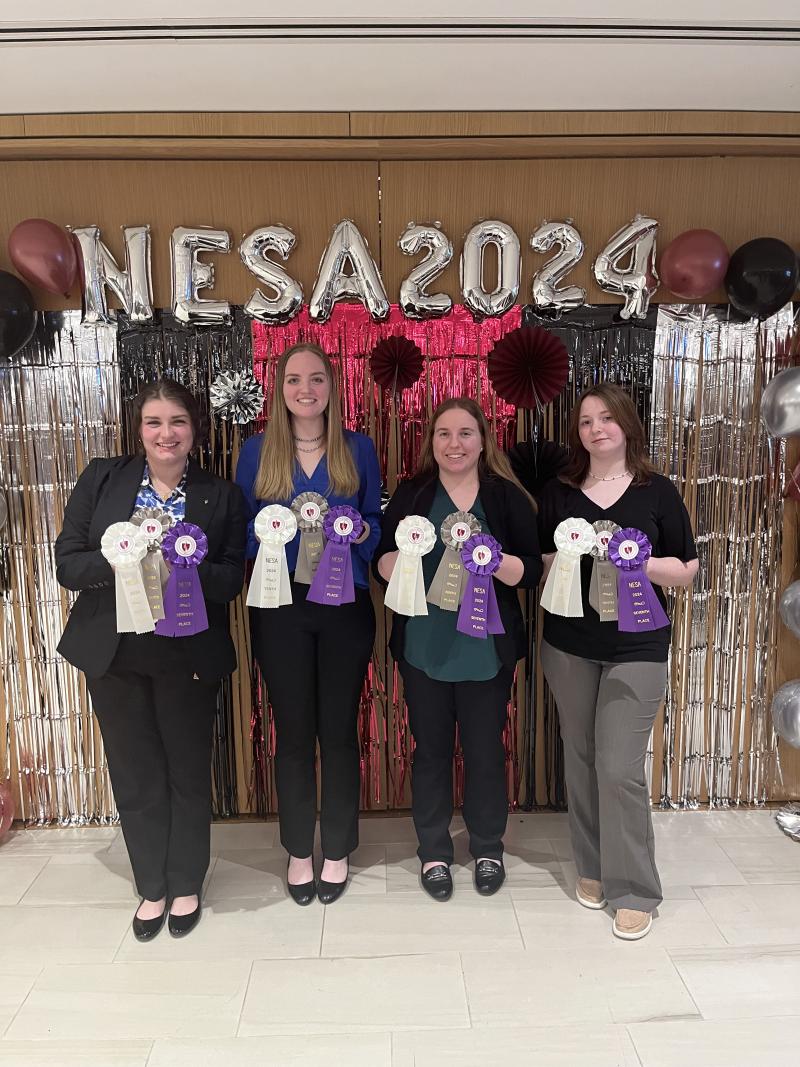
275,526
562,590
125,546
415,537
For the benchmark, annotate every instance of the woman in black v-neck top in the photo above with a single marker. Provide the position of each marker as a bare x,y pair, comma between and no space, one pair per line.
609,684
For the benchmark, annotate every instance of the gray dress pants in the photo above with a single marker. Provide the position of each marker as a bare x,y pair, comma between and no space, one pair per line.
606,712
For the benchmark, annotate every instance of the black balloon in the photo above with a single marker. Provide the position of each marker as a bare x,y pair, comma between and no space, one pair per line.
17,315
762,277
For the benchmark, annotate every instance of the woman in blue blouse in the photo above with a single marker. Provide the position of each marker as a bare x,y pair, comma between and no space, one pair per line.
314,656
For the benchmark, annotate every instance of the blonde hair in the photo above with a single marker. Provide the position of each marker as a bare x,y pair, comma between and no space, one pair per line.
492,461
276,465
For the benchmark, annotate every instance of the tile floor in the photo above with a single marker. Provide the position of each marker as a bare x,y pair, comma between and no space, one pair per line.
388,977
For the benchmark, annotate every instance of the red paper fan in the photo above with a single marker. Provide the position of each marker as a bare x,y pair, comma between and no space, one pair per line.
528,367
396,363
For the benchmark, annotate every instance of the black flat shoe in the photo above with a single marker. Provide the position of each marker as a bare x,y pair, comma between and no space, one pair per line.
301,894
328,892
181,925
489,876
146,929
438,882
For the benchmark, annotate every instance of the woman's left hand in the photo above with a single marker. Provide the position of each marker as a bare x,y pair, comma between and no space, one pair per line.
510,570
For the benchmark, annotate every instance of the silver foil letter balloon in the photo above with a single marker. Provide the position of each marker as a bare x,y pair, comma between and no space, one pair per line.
786,713
780,403
547,296
133,286
638,280
288,299
190,275
485,303
415,301
347,247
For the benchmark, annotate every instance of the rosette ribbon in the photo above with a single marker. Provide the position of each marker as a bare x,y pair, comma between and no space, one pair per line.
415,536
603,584
154,523
275,526
184,547
309,510
447,588
479,615
333,582
125,546
639,607
562,590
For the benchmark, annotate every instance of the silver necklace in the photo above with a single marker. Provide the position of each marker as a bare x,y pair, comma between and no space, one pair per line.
610,477
309,440
299,448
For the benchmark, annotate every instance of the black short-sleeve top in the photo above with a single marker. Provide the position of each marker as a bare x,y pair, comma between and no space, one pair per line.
658,511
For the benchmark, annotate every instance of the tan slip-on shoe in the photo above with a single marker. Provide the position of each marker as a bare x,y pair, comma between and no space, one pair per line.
590,893
630,924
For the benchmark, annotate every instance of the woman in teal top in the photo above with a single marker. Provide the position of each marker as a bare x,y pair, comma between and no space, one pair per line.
451,677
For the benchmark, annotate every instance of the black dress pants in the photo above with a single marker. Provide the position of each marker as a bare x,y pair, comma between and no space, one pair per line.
314,658
156,721
479,709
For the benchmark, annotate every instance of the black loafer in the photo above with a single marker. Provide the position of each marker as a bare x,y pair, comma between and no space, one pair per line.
181,925
438,882
328,892
146,929
489,876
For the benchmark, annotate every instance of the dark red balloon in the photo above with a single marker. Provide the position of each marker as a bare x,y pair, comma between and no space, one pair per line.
693,265
44,254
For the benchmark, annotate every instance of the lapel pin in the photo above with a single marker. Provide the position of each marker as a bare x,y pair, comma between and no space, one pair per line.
205,501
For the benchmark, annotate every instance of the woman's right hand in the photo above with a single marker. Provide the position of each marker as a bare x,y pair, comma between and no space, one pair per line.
386,564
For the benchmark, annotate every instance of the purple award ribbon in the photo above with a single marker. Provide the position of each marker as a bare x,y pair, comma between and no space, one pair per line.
333,582
639,608
184,547
479,614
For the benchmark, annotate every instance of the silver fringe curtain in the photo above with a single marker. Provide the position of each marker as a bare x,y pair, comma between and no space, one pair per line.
696,378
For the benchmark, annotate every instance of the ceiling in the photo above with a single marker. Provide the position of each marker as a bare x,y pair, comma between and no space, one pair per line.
162,56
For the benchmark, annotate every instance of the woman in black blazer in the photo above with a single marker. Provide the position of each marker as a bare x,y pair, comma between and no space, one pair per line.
451,677
155,697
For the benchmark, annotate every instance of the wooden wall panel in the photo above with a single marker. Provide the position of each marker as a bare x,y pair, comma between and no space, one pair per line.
308,197
740,198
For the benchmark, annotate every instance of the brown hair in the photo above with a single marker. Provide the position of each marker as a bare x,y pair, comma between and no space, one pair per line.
276,465
168,389
622,409
492,462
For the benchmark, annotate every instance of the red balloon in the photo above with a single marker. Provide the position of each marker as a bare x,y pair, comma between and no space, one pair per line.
44,254
694,264
6,807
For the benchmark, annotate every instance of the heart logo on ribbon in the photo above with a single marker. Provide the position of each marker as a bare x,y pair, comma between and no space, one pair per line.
310,512
416,536
276,524
187,546
575,536
482,556
125,544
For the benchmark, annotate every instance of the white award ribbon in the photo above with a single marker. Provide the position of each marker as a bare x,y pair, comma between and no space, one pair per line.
125,546
415,537
562,590
275,526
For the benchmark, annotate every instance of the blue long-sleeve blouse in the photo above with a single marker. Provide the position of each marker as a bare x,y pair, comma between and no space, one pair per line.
367,501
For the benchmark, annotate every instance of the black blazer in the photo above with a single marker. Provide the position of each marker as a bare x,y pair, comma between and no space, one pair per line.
512,521
106,493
